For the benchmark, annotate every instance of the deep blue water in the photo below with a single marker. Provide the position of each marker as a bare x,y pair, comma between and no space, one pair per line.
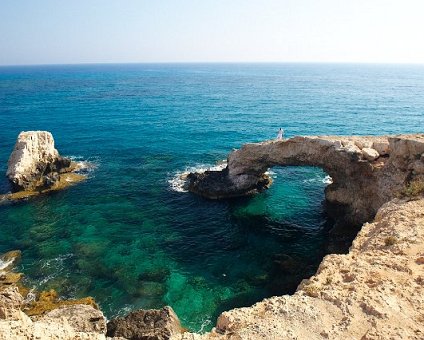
124,236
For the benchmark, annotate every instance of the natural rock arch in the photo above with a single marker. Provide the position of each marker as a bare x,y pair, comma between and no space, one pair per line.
366,171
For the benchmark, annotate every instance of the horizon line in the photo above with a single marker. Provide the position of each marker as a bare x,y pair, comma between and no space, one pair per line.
216,62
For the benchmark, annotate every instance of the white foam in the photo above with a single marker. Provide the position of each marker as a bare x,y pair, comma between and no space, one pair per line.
206,323
5,264
85,166
327,180
30,297
178,182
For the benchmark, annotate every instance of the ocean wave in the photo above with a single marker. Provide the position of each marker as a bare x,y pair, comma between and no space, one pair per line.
205,326
85,166
54,265
326,180
31,296
5,264
56,262
271,174
178,181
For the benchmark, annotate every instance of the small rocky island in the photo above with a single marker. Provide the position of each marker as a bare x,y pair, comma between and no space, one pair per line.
376,291
35,166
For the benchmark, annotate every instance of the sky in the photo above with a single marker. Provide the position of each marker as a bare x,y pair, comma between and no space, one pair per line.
131,31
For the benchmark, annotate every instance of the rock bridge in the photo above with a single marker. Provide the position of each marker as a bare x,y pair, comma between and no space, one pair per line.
367,171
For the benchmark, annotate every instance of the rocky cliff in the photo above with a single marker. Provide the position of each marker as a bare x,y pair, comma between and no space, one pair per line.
376,291
35,165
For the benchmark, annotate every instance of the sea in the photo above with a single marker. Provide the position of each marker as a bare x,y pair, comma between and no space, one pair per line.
130,235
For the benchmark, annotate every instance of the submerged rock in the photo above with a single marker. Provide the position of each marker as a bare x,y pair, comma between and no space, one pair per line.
152,324
47,301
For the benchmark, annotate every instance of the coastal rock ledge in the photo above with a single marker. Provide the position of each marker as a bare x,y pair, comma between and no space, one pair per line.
35,165
366,171
376,291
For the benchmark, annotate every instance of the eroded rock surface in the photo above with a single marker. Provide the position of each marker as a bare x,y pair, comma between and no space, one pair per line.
153,324
366,171
34,161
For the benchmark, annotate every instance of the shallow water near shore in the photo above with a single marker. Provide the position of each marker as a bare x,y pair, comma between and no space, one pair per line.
126,236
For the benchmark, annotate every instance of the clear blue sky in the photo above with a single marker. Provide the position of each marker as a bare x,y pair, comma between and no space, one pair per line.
84,31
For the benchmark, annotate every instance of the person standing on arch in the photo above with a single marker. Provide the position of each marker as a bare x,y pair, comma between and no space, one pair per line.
280,134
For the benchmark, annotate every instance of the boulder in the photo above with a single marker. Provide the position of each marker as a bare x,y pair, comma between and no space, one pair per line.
10,302
370,154
82,318
382,147
152,324
35,163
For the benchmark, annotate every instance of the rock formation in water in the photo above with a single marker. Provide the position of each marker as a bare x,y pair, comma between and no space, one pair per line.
366,171
35,162
376,291
36,166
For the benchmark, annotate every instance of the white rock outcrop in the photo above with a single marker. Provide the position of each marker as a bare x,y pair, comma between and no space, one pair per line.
35,162
370,154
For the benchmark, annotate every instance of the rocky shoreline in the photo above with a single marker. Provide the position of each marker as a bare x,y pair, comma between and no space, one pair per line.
366,171
376,291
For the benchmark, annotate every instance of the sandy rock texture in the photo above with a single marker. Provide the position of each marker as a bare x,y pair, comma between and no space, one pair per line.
157,324
70,322
366,171
376,291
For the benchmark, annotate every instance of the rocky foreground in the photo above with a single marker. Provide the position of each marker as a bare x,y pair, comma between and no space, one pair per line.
376,291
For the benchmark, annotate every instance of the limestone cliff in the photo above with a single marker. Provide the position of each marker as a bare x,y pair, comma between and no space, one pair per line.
376,291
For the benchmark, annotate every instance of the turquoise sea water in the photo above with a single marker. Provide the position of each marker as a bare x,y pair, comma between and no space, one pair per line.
125,236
